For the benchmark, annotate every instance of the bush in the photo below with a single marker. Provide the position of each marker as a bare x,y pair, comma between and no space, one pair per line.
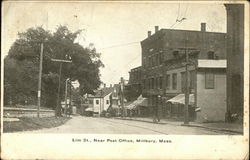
103,113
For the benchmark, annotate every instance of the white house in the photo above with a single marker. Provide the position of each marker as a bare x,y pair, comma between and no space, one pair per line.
101,100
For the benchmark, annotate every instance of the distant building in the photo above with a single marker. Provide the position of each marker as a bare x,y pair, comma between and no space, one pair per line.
133,88
235,60
100,101
105,99
165,50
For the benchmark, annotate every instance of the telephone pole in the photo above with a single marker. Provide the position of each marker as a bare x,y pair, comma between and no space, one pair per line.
122,95
187,80
186,119
66,90
58,107
40,82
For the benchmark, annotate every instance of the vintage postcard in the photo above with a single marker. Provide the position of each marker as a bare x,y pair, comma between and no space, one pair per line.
125,80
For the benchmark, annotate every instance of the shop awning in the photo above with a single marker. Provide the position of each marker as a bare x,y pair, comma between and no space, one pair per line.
115,106
180,99
91,109
140,101
131,106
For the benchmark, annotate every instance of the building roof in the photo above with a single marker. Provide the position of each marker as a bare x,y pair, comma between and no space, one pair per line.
210,63
164,30
102,92
105,91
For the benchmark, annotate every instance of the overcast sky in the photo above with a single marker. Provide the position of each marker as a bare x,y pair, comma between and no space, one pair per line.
116,28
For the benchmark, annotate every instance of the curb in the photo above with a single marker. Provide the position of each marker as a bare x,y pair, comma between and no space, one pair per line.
141,121
187,125
211,128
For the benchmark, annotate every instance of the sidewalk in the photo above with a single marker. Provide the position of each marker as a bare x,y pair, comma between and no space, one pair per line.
218,126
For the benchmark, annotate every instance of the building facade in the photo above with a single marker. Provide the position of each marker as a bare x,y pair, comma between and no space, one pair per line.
134,85
207,81
163,56
235,60
210,94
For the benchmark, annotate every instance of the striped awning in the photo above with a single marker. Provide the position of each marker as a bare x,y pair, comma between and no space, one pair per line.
180,99
140,101
90,109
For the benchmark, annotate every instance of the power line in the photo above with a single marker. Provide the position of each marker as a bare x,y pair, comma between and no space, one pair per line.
123,44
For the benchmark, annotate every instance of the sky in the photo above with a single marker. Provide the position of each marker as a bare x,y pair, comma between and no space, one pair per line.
115,28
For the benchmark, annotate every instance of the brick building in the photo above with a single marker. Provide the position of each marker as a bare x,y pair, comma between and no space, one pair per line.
165,50
235,59
133,88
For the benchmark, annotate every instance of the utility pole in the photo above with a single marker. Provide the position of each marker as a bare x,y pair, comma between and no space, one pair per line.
122,96
66,89
70,98
40,82
58,108
186,117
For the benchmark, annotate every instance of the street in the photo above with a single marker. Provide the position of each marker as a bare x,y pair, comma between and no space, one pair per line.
97,125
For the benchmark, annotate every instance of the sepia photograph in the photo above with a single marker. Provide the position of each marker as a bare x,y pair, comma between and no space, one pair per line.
126,74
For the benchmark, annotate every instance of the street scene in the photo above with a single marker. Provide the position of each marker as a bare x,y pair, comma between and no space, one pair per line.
133,126
113,71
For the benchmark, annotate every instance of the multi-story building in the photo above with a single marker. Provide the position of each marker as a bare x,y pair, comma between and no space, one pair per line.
133,88
164,52
235,60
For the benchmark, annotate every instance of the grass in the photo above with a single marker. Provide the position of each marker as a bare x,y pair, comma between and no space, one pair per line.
33,123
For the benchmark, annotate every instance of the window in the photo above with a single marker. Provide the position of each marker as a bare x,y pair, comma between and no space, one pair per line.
160,83
157,59
149,83
174,81
151,61
183,81
96,101
156,82
210,55
209,80
107,101
152,83
144,83
161,58
167,81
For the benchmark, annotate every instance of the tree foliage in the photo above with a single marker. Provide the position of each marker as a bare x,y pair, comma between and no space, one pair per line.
21,66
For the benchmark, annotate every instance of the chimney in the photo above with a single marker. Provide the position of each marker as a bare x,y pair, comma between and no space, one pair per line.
203,27
149,33
110,85
104,85
156,29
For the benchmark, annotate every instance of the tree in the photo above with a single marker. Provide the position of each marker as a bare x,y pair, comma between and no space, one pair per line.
22,65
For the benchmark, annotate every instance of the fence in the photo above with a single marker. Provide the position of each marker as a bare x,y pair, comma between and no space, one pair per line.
26,112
